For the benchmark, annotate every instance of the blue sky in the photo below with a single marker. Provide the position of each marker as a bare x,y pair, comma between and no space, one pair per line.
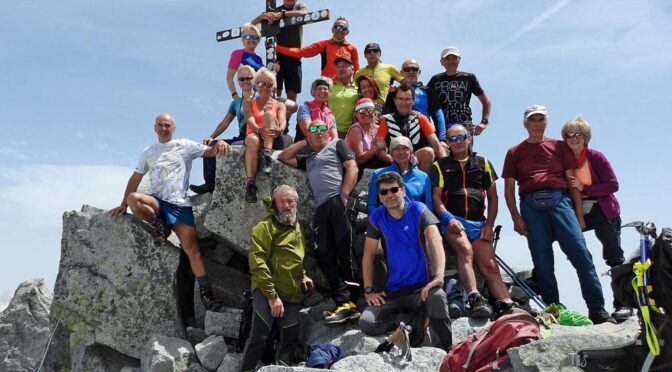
81,81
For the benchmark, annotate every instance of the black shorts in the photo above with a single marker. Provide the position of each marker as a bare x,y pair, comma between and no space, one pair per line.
289,75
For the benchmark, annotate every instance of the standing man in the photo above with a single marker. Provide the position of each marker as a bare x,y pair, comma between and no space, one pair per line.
414,125
462,181
343,97
416,263
167,206
332,174
382,73
452,91
410,72
278,278
328,49
550,210
290,72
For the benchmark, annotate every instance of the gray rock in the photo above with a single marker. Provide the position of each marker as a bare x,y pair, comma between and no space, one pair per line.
355,342
424,359
287,369
24,327
115,283
211,352
552,354
167,354
465,327
200,207
100,358
231,362
223,323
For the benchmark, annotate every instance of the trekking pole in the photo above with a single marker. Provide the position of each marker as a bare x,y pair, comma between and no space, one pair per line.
520,282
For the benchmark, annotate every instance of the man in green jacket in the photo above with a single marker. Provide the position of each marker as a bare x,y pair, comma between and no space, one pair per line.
278,278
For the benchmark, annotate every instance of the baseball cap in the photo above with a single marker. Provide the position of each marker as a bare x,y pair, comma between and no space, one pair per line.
344,59
450,50
364,103
535,109
371,46
401,140
322,80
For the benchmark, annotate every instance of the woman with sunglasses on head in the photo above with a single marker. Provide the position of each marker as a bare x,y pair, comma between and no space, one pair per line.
317,109
361,136
266,120
245,56
367,88
595,179
245,76
417,183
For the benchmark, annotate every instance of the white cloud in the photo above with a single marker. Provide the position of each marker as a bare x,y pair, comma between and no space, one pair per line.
13,153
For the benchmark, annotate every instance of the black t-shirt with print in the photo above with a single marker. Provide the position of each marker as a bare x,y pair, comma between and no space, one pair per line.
453,94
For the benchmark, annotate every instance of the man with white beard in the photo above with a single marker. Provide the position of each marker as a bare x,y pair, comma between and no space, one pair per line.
279,280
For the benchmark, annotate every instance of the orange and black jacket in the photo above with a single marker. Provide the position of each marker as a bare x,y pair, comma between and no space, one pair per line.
464,185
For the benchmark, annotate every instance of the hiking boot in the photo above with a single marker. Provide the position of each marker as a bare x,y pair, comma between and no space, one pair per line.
622,314
454,311
599,316
479,307
251,193
161,228
208,298
266,163
343,313
504,308
202,189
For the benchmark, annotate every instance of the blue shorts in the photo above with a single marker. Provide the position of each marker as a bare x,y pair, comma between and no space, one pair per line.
174,214
472,228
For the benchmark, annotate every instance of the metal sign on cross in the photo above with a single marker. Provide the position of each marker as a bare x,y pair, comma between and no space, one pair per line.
269,31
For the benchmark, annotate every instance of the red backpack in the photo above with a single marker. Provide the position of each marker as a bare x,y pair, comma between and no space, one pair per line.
486,350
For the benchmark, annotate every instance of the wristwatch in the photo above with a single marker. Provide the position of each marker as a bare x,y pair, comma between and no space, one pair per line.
369,290
485,121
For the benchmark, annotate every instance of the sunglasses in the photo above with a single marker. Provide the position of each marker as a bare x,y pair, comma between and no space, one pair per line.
264,84
459,137
250,37
371,51
245,78
341,28
315,128
410,69
575,135
393,190
365,111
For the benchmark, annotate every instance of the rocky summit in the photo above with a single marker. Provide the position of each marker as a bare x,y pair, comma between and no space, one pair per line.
124,301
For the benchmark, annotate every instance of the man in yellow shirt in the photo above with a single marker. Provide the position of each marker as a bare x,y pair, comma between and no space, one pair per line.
382,73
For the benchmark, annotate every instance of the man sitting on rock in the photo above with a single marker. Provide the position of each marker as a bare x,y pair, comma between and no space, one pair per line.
461,183
332,174
166,205
415,261
278,277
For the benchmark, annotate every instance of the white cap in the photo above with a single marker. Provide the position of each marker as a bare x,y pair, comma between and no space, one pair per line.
401,140
535,109
450,50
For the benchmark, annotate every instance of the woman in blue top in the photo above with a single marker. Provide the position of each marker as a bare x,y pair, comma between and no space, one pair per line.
417,183
246,56
245,76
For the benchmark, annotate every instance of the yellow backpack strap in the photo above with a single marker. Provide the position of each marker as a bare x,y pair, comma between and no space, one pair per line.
488,169
436,164
638,285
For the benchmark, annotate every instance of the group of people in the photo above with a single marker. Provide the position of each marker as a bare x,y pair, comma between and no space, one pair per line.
429,189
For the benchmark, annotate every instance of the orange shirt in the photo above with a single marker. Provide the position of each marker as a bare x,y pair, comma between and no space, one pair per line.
329,50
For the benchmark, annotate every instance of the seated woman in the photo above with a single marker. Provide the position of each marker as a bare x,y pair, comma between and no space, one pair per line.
595,179
362,139
367,88
245,76
245,56
266,121
316,109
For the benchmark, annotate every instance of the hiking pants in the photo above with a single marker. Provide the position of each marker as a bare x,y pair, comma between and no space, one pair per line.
262,321
378,320
608,233
333,237
560,223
